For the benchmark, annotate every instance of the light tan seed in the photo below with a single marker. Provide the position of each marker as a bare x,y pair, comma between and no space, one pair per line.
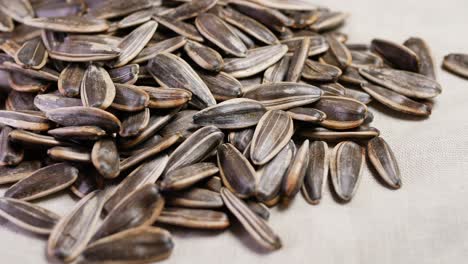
317,172
127,74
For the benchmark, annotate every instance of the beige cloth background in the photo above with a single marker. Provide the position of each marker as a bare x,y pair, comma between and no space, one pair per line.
424,222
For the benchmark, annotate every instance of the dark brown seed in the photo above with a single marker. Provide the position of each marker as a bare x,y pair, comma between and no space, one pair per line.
73,232
358,95
316,71
148,172
351,76
457,63
318,44
222,85
88,181
396,101
111,9
74,154
195,198
272,133
216,30
127,74
190,9
205,57
297,61
384,161
181,123
214,184
97,88
248,42
172,71
23,83
241,138
28,216
294,178
69,82
316,173
236,171
363,59
231,114
162,98
406,83
422,50
259,209
105,158
83,51
184,29
84,116
43,182
338,54
320,133
30,120
50,101
309,115
18,172
187,176
255,226
78,132
346,164
32,54
19,101
129,98
72,24
333,89
167,45
277,72
141,208
342,113
136,18
194,218
328,21
399,56
134,123
27,138
10,153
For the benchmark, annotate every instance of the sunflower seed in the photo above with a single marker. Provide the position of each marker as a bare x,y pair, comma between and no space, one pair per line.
23,83
346,164
262,13
294,178
140,208
111,9
297,61
399,56
134,123
75,154
307,114
187,176
127,74
328,21
248,42
342,113
337,55
70,79
272,133
20,101
184,29
213,184
18,10
406,83
241,138
6,22
363,59
284,95
18,172
148,172
316,71
358,95
171,71
78,132
457,63
161,98
205,57
190,9
384,161
255,61
271,174
88,181
136,18
351,76
81,51
318,45
422,50
105,158
167,45
28,216
129,98
32,54
43,74
236,171
72,24
30,120
10,153
195,198
194,218
73,232
83,116
277,72
319,133
47,102
97,88
255,226
259,209
27,138
43,182
317,172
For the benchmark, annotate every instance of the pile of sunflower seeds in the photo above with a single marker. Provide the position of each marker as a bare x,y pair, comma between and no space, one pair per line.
136,107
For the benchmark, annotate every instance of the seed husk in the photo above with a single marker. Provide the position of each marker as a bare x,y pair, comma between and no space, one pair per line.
26,138
83,51
257,228
134,123
162,98
399,56
223,86
205,57
383,159
272,133
187,176
248,41
74,154
284,95
18,10
190,9
9,174
318,44
316,71
195,148
307,114
20,101
111,9
72,24
83,116
43,182
129,98
194,218
172,71
10,153
358,95
320,133
297,61
316,173
294,178
216,30
346,164
32,54
259,209
241,138
105,158
338,54
255,61
88,181
397,101
406,83
73,232
23,83
195,198
328,21
231,114
262,13
69,82
457,63
30,120
422,50
167,45
97,88
141,208
342,113
136,18
78,132
363,59
148,172
271,174
28,216
351,76
184,29
237,173
214,184
127,74
277,72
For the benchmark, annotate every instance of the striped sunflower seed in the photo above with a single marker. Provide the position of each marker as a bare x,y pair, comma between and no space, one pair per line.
422,50
83,116
127,74
105,158
194,218
384,161
195,198
167,45
316,71
72,24
320,133
32,54
73,154
184,29
277,72
187,176
31,120
294,178
129,98
457,63
399,56
97,88
18,172
205,57
316,173
297,61
190,9
134,123
78,132
26,138
306,114
70,79
342,113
